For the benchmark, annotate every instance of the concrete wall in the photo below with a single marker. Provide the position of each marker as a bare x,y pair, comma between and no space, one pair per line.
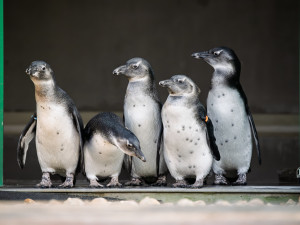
85,40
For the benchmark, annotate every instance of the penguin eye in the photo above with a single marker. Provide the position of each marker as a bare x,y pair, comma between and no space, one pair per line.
43,68
134,66
217,53
129,145
180,81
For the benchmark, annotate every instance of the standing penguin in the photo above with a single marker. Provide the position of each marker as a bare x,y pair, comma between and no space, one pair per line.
228,108
142,116
106,141
189,142
56,126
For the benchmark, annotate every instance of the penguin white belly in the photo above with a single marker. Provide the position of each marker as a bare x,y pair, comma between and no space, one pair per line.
101,158
142,117
57,140
226,110
185,146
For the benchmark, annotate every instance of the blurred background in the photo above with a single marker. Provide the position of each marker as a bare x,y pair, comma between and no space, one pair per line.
84,41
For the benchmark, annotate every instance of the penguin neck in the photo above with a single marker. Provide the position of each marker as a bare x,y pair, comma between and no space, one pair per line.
44,90
225,78
142,85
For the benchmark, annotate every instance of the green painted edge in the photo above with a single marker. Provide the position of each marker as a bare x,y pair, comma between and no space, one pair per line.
1,90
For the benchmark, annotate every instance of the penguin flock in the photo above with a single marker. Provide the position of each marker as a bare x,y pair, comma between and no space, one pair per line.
179,137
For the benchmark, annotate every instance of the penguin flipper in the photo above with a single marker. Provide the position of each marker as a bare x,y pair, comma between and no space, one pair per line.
77,121
127,162
210,137
159,150
27,135
251,121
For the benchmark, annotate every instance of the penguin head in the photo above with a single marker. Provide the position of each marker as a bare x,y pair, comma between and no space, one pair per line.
179,85
135,69
222,59
39,71
130,145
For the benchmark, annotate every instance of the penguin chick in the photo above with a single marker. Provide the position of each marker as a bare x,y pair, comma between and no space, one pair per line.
189,142
106,141
142,116
228,108
56,127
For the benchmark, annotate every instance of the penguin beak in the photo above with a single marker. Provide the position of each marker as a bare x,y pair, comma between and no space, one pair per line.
119,70
201,55
165,83
140,155
28,71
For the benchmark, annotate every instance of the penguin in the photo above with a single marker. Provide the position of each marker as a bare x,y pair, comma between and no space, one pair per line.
228,108
189,142
56,126
106,140
142,115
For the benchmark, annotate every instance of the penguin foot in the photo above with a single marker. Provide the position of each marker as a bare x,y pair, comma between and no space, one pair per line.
198,184
45,182
114,183
68,182
161,181
242,180
220,180
95,184
180,184
134,182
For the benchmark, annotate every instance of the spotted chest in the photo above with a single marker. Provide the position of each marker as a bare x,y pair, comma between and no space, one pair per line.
57,139
102,158
142,117
226,109
185,146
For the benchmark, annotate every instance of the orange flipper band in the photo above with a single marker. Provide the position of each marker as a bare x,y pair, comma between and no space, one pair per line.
206,118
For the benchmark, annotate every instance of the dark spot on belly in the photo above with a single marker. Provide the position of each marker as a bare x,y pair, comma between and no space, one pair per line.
42,107
105,165
139,125
179,156
62,149
197,130
186,139
144,105
219,96
221,143
212,104
194,166
232,125
155,141
57,132
179,160
178,131
100,153
190,127
223,94
49,107
231,110
133,105
167,121
190,167
217,121
183,127
196,143
191,152
191,140
226,141
168,126
177,150
198,139
234,137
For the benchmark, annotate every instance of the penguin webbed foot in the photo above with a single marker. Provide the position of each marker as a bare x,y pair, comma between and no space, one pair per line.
220,180
134,182
114,183
161,181
45,182
95,184
198,184
242,180
181,184
68,182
